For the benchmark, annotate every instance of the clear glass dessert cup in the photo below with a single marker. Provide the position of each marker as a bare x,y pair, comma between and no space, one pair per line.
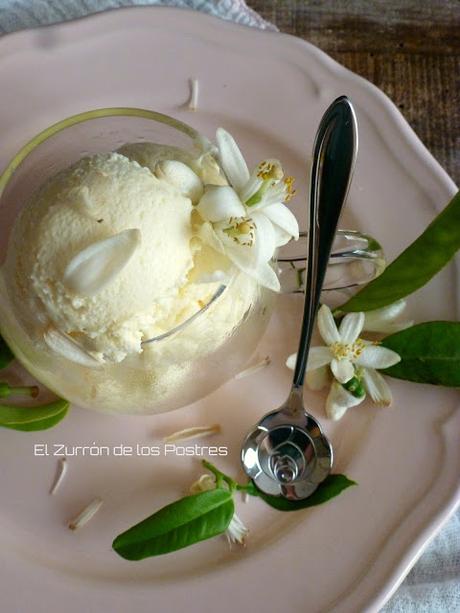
195,357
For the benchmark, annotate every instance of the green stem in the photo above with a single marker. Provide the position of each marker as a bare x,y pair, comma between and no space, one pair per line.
6,390
220,476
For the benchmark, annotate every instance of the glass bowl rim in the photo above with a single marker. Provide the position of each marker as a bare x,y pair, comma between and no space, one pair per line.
72,120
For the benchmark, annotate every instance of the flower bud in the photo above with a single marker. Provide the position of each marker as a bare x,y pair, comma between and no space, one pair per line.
182,177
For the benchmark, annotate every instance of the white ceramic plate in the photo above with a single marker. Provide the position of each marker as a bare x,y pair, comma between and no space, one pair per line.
269,90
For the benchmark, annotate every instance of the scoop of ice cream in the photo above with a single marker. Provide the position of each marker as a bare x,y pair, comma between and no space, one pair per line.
137,230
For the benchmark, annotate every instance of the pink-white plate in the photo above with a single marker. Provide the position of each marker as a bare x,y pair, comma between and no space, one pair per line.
269,90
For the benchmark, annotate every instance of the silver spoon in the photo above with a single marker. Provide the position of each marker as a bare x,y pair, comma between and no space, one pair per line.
287,454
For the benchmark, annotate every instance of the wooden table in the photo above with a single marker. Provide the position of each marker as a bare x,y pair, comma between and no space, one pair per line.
410,49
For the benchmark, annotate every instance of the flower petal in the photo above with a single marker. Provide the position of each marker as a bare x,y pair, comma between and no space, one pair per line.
377,387
374,356
339,400
204,483
281,237
97,265
220,202
319,356
343,370
67,348
389,312
317,379
210,237
280,215
182,177
209,170
251,187
236,531
327,327
232,160
244,258
265,239
388,327
266,276
383,320
351,327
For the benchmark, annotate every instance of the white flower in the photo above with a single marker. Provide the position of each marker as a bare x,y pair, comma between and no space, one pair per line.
236,531
352,362
246,219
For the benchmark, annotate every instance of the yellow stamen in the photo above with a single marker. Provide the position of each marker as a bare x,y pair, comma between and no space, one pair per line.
269,170
241,230
290,191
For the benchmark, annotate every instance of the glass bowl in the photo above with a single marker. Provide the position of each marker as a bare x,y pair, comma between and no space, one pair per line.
175,369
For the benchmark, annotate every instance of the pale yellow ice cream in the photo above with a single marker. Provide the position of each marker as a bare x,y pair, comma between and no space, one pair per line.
97,198
165,280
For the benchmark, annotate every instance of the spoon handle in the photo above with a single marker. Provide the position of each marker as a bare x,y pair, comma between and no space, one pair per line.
334,156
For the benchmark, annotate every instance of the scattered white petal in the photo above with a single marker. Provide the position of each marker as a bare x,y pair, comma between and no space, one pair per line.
245,497
232,160
374,356
254,368
193,432
67,348
351,327
60,474
290,362
377,387
339,400
182,177
327,326
86,514
97,265
194,93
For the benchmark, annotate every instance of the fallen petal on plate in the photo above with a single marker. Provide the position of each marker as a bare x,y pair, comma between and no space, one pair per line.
86,514
251,370
194,432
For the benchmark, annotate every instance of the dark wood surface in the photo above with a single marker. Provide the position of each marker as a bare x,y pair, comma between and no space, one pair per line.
409,48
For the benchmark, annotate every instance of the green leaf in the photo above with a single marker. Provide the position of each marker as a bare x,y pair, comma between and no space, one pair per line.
182,523
430,353
6,355
425,257
331,487
30,419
